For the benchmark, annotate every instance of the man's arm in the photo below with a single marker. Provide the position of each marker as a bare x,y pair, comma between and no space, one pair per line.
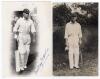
15,30
66,32
66,35
80,34
33,31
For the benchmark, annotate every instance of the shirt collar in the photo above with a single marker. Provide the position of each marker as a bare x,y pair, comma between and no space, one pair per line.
25,20
72,23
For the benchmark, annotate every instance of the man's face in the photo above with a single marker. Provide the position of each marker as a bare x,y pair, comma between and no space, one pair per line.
25,15
73,19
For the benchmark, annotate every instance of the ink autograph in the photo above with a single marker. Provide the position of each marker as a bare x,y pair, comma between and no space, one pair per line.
42,60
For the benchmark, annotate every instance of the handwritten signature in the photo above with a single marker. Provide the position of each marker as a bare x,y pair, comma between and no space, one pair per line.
42,60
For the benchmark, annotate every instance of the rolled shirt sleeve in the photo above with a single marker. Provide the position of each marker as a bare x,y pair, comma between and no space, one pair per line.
15,29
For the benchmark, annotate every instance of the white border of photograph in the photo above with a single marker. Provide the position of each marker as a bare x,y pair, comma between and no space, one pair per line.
51,77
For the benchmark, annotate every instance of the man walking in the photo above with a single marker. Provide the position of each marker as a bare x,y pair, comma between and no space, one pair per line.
23,28
73,37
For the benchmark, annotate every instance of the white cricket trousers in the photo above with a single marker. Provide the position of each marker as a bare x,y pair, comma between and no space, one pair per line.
24,46
73,56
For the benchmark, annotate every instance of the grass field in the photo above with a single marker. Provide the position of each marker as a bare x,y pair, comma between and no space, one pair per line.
89,49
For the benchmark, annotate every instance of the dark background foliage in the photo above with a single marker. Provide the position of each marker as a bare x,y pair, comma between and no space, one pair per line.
61,14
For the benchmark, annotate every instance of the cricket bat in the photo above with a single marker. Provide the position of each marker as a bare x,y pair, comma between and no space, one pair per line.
81,57
17,60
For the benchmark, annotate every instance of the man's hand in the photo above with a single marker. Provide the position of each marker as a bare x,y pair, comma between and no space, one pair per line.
16,36
66,48
67,45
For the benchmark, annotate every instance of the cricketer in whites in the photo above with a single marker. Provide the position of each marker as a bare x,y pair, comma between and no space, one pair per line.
22,30
73,36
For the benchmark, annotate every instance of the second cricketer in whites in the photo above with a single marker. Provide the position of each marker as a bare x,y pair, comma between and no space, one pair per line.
73,36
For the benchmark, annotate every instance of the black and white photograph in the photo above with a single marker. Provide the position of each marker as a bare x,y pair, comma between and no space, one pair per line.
27,50
49,39
75,39
24,31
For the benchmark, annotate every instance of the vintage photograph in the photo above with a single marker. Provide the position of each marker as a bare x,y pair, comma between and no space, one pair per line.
24,39
27,50
75,39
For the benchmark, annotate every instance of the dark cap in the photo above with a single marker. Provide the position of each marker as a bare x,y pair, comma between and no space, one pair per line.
26,11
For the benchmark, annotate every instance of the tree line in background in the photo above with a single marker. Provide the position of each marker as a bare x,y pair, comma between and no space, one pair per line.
62,14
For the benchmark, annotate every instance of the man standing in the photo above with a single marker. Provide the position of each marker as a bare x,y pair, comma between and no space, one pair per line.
23,28
73,37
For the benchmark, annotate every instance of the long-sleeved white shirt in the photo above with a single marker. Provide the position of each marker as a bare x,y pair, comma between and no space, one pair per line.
24,26
73,32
